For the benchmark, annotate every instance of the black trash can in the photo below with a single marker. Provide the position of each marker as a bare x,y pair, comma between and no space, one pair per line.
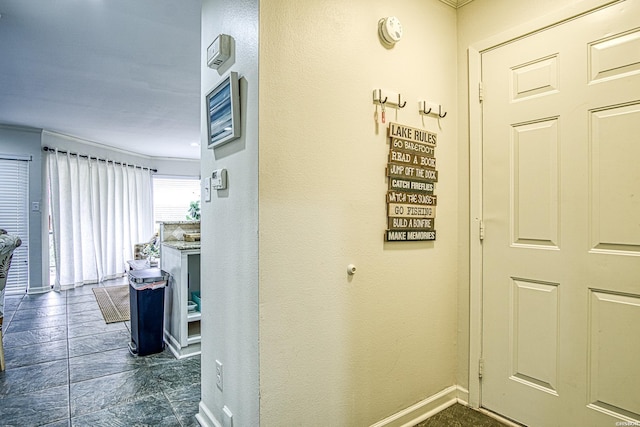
146,302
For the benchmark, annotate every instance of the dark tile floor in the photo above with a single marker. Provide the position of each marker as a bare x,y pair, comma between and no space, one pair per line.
460,416
67,367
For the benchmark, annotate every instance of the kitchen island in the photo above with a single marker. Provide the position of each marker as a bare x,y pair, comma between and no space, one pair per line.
181,325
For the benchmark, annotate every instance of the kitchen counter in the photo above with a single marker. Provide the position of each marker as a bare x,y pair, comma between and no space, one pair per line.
187,222
181,245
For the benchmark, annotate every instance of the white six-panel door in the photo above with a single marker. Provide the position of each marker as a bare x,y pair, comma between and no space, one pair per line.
561,212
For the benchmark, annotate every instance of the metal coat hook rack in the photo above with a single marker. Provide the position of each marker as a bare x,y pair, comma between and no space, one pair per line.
388,98
427,108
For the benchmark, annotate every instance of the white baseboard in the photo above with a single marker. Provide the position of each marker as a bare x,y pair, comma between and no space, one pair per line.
408,417
38,290
432,405
463,396
426,408
205,417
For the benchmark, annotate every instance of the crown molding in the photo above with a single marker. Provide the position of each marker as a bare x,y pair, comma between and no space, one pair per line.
456,3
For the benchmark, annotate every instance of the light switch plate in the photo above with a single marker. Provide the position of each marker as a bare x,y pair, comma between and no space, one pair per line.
207,189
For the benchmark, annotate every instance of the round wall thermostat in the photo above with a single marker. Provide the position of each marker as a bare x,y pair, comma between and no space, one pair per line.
390,30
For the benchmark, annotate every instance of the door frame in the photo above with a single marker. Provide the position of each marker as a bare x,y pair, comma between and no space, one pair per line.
474,64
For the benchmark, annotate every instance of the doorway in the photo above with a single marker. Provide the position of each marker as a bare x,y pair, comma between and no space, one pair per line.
559,207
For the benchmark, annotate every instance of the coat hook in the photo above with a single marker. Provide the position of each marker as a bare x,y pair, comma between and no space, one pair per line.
400,103
377,97
442,116
424,108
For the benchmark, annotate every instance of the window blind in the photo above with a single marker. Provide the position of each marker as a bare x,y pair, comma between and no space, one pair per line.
172,196
14,218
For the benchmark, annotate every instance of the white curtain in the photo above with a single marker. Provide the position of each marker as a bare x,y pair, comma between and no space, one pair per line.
99,210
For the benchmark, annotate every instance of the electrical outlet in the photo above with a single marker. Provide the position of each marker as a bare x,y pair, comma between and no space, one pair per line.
219,374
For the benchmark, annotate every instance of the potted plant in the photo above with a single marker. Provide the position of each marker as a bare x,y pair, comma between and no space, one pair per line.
194,211
151,250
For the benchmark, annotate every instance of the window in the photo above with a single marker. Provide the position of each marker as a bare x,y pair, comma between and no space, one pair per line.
172,197
14,218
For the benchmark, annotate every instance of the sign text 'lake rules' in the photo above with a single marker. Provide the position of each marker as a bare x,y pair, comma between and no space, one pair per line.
409,236
412,134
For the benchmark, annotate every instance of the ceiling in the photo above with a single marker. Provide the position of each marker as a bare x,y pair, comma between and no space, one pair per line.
121,73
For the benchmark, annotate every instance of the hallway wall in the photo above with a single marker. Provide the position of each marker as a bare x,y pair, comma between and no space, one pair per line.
229,227
338,349
308,199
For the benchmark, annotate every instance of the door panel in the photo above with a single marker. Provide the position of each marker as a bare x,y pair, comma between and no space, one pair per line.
615,174
561,211
613,364
534,335
535,183
615,56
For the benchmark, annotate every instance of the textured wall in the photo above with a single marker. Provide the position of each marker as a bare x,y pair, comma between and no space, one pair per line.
229,228
334,349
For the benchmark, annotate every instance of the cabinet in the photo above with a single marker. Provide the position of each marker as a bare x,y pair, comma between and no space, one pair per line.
182,328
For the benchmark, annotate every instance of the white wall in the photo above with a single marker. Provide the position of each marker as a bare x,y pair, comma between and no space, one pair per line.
26,142
479,22
165,166
229,227
340,350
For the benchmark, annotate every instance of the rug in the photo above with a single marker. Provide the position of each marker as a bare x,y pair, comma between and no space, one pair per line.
113,302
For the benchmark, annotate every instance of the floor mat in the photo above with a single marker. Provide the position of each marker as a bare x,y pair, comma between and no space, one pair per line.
113,302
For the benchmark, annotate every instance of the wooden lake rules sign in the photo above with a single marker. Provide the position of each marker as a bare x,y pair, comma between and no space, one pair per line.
411,202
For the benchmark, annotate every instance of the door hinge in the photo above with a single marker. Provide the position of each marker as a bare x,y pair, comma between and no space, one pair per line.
480,92
480,368
481,230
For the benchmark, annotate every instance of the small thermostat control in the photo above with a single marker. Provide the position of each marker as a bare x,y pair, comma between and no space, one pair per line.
390,30
219,179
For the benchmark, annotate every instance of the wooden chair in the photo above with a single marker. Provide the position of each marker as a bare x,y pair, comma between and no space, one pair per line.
8,244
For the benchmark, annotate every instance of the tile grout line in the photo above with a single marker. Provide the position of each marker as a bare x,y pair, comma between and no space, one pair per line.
173,411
